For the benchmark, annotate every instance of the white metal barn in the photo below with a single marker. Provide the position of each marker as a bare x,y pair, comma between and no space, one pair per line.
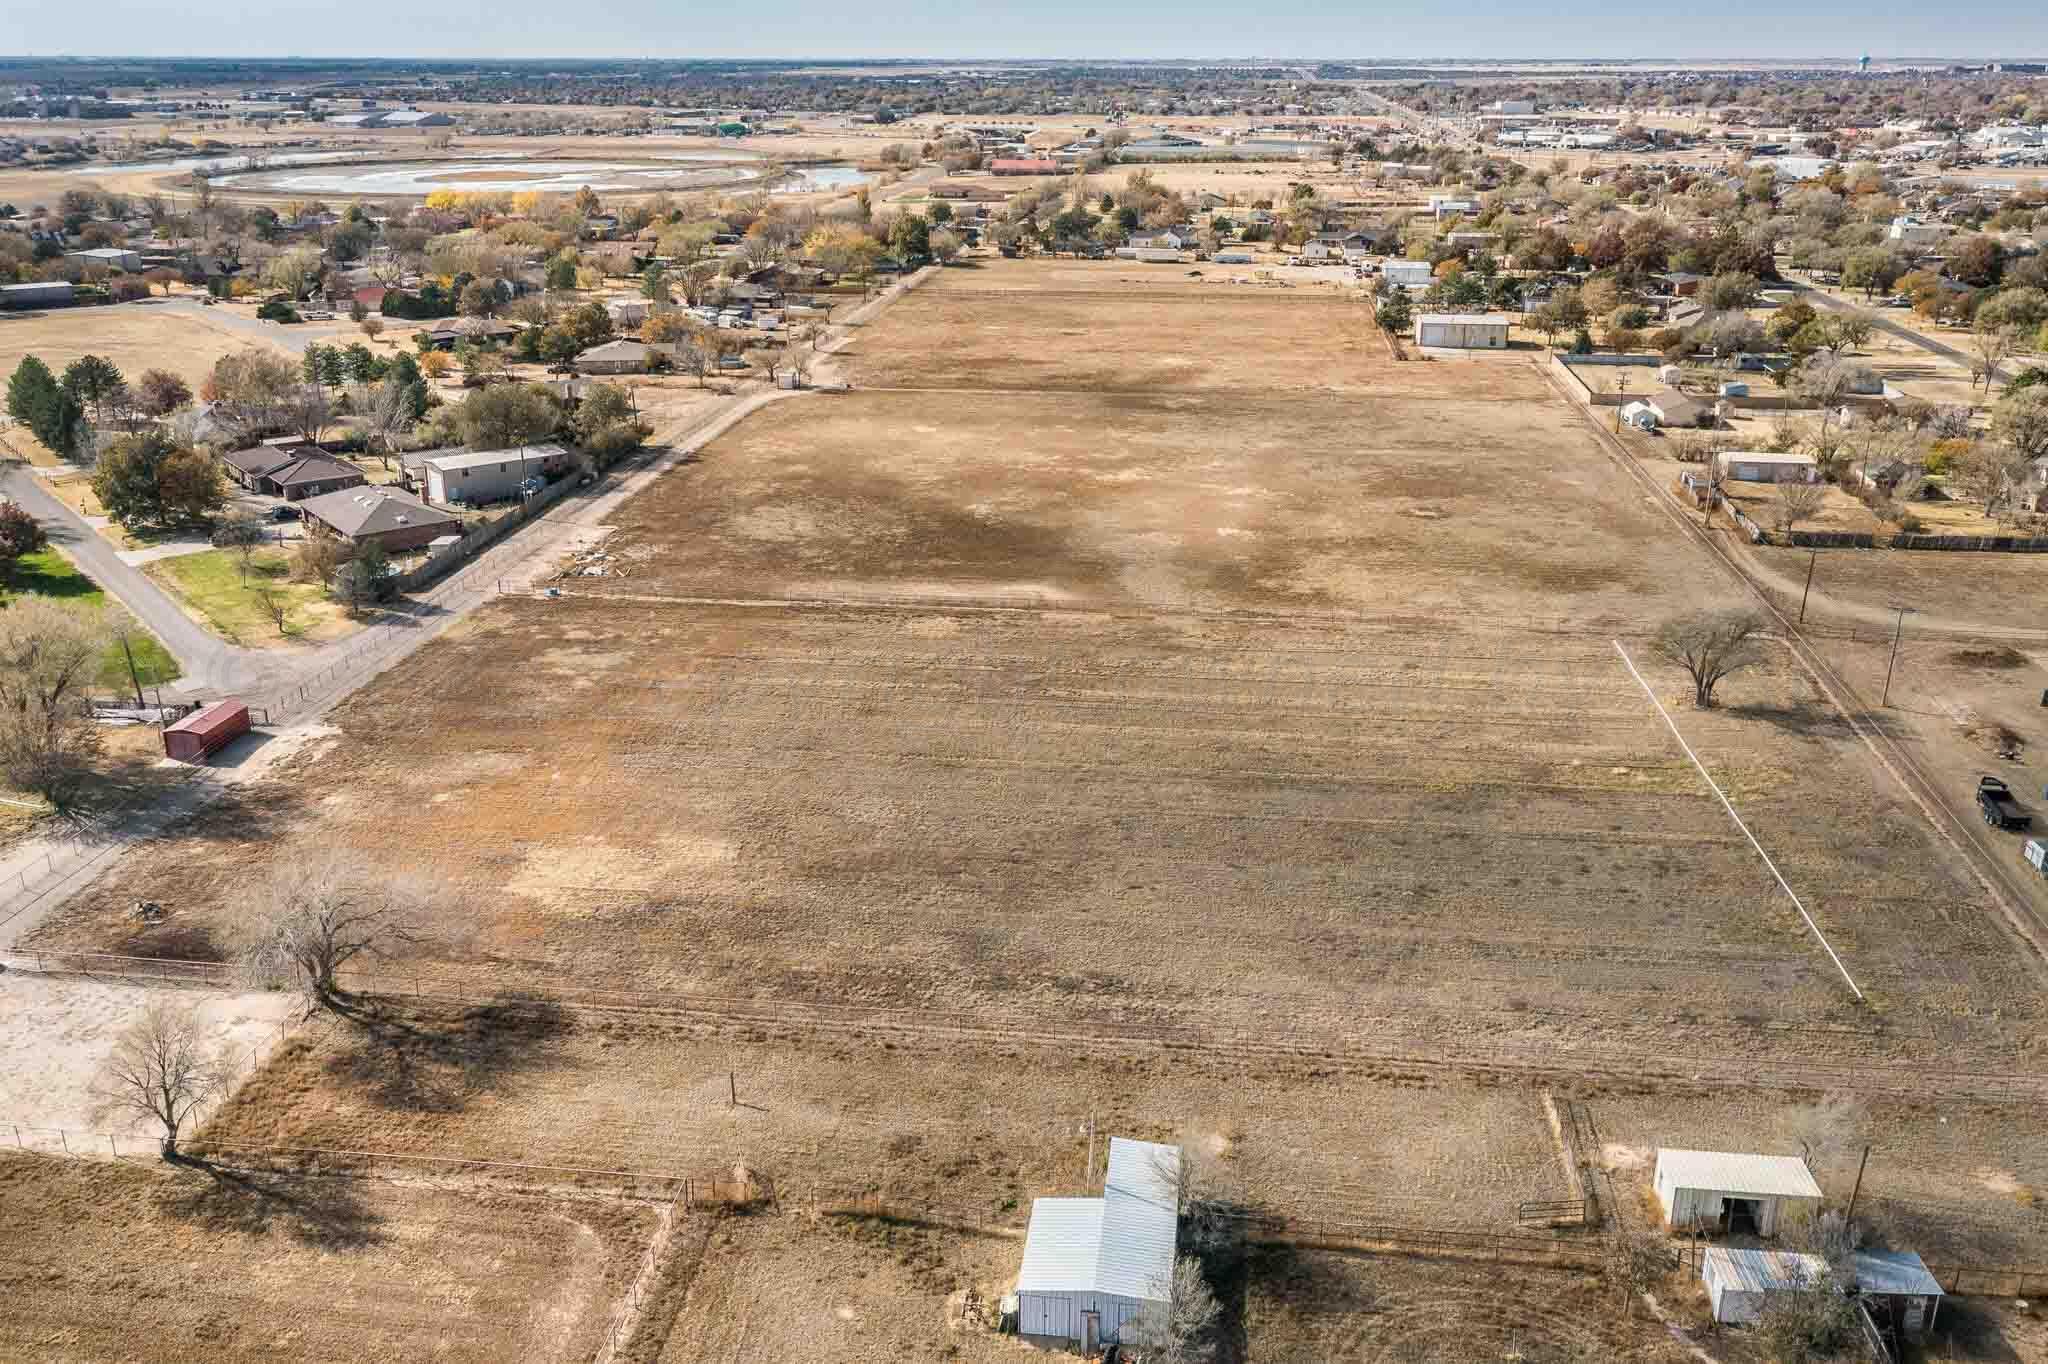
1409,274
1732,1192
1462,331
1738,1281
1767,466
1091,1264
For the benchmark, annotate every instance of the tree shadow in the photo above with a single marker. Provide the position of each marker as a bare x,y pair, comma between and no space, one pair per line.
1971,1327
1808,719
324,1211
439,1059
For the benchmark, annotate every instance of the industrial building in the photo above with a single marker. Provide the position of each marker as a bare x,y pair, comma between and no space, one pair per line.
1093,1264
1462,331
1727,1192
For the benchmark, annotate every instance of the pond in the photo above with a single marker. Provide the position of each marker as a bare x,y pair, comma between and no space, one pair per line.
507,175
222,161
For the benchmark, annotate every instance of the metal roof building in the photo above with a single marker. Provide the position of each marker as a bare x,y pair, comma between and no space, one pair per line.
1732,1191
1738,1281
1091,1264
1462,331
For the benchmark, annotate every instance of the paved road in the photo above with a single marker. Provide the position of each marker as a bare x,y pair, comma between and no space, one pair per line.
1907,334
209,663
294,338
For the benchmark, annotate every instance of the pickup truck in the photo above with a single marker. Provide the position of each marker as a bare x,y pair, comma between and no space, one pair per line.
2001,811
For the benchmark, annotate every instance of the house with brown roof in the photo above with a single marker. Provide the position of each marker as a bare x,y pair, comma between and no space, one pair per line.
290,468
397,521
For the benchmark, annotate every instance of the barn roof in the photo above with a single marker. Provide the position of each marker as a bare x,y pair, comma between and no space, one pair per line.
1121,1243
1893,1273
1736,1172
1763,1271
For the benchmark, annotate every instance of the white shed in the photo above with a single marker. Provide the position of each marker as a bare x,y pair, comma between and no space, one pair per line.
1462,331
1767,466
1409,274
1091,1264
1738,1281
1732,1192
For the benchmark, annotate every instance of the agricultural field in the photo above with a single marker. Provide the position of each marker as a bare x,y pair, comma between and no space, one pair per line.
980,1124
811,1290
1196,706
1141,702
118,1261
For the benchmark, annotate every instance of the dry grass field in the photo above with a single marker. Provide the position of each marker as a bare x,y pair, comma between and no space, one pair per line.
1122,657
981,1124
135,336
1199,706
107,1263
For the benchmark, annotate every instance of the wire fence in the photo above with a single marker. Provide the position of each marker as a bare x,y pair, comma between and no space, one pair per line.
715,1191
1735,1066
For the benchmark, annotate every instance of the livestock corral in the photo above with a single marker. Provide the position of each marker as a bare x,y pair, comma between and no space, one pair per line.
1136,701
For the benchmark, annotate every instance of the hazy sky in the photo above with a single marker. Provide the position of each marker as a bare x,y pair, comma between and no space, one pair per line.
1794,29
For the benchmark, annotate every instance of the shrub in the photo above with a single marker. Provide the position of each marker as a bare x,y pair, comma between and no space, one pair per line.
277,311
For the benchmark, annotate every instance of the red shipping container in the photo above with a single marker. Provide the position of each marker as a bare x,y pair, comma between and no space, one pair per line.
206,730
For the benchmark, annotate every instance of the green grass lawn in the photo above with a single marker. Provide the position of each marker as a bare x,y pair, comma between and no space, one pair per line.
211,583
46,573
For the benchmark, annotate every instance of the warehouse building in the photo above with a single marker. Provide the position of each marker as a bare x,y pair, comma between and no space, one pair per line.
1093,1264
1732,1193
1462,331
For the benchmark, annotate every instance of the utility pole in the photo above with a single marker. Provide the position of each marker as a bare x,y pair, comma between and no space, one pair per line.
1851,1215
1809,585
133,676
1897,631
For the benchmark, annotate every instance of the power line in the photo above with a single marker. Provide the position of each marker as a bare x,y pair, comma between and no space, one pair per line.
1782,884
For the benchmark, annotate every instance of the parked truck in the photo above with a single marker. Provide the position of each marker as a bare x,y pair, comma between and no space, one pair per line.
2001,811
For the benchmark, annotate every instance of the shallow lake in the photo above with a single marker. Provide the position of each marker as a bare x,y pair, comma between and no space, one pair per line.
501,175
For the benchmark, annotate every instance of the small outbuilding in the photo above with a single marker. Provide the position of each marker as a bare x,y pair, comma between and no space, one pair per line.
1898,1289
206,731
1093,1264
1767,466
1894,1287
1739,1281
1728,1192
1409,274
1462,331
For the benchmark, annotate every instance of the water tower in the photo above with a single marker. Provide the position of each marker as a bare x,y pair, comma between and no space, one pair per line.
1863,65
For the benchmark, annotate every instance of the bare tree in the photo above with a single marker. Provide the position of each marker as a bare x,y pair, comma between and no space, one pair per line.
1182,1328
1993,473
49,657
385,413
1827,378
165,1067
1711,646
276,605
313,917
308,411
1643,1258
1992,345
1797,502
